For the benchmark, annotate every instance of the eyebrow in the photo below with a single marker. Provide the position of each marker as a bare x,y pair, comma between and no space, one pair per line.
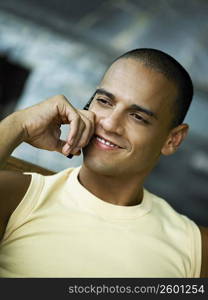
104,92
135,107
144,110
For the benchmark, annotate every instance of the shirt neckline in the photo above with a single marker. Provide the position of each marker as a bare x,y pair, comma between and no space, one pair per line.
88,201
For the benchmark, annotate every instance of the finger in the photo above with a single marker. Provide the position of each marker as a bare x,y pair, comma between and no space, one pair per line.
78,135
76,130
74,134
86,134
82,129
90,116
66,149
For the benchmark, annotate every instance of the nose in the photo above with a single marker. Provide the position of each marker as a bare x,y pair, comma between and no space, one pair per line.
113,123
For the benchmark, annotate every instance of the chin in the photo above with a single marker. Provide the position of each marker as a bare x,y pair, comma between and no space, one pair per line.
101,167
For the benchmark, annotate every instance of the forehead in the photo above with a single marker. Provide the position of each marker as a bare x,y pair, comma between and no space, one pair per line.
130,80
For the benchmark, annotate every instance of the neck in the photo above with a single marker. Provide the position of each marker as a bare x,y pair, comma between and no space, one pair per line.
115,190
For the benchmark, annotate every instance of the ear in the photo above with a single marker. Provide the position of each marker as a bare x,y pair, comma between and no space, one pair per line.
175,138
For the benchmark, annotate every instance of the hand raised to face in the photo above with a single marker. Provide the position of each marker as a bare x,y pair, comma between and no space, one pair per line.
42,122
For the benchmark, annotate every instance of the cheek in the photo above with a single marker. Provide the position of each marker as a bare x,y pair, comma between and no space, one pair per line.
146,142
139,137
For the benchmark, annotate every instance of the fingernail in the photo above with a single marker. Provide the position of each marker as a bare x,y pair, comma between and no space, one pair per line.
70,156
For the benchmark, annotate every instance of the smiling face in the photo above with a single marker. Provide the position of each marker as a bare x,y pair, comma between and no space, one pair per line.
133,107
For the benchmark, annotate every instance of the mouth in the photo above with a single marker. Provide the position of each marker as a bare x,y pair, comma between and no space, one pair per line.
105,144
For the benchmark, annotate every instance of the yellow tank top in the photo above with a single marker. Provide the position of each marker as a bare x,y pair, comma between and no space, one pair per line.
60,229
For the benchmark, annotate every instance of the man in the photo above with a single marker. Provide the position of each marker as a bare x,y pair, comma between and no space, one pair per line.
98,220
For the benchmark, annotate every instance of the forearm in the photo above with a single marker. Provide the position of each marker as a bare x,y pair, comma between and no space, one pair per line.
11,135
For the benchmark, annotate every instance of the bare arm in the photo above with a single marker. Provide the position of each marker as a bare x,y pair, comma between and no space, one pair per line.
13,185
204,265
11,135
11,195
38,125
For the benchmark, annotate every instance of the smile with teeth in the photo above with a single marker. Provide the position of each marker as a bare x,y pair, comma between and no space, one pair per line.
103,141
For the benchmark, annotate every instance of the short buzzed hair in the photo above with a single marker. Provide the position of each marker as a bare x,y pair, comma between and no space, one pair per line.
173,71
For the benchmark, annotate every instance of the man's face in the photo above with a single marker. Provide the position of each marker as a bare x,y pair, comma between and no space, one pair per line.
133,113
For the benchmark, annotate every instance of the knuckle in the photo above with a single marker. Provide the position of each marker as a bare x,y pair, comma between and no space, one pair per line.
63,98
76,117
58,98
60,101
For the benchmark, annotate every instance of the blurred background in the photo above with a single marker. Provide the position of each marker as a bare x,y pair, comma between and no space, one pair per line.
50,47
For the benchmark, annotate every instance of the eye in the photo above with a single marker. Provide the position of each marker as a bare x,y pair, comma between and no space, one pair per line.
139,118
103,101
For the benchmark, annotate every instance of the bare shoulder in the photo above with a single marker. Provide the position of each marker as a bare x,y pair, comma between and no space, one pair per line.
204,236
13,186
